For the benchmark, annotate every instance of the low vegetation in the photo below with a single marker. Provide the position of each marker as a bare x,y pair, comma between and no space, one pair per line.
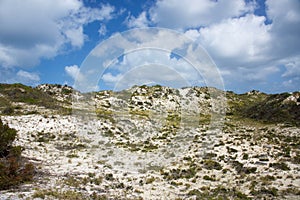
14,169
25,94
145,141
270,108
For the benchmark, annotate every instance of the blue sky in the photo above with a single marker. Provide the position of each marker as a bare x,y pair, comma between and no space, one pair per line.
254,44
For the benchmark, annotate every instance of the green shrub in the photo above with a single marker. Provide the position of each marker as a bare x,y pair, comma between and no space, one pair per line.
209,178
8,110
7,136
280,165
13,170
150,180
217,193
211,164
265,191
245,156
59,194
180,173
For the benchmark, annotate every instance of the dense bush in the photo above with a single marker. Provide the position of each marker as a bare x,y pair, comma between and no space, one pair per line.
13,169
8,110
7,136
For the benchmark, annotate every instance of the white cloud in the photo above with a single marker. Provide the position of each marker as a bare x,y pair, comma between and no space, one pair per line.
243,40
194,13
286,9
152,47
141,39
241,43
260,74
285,30
11,75
75,36
81,79
73,71
138,22
142,67
292,69
111,79
102,30
292,84
31,30
193,34
146,74
28,76
241,48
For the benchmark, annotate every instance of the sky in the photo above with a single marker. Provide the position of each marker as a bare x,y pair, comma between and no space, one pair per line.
249,44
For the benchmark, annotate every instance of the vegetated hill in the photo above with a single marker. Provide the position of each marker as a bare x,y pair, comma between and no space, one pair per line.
237,103
283,107
154,142
15,98
272,108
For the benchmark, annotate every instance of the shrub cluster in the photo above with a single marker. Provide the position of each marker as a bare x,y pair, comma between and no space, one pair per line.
13,169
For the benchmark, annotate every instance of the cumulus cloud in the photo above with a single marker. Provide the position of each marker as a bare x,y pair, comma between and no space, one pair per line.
285,30
73,71
172,51
255,47
292,84
147,74
238,40
292,69
138,22
75,36
81,79
102,30
194,13
261,49
19,76
111,79
241,43
42,29
260,74
141,67
193,34
28,76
